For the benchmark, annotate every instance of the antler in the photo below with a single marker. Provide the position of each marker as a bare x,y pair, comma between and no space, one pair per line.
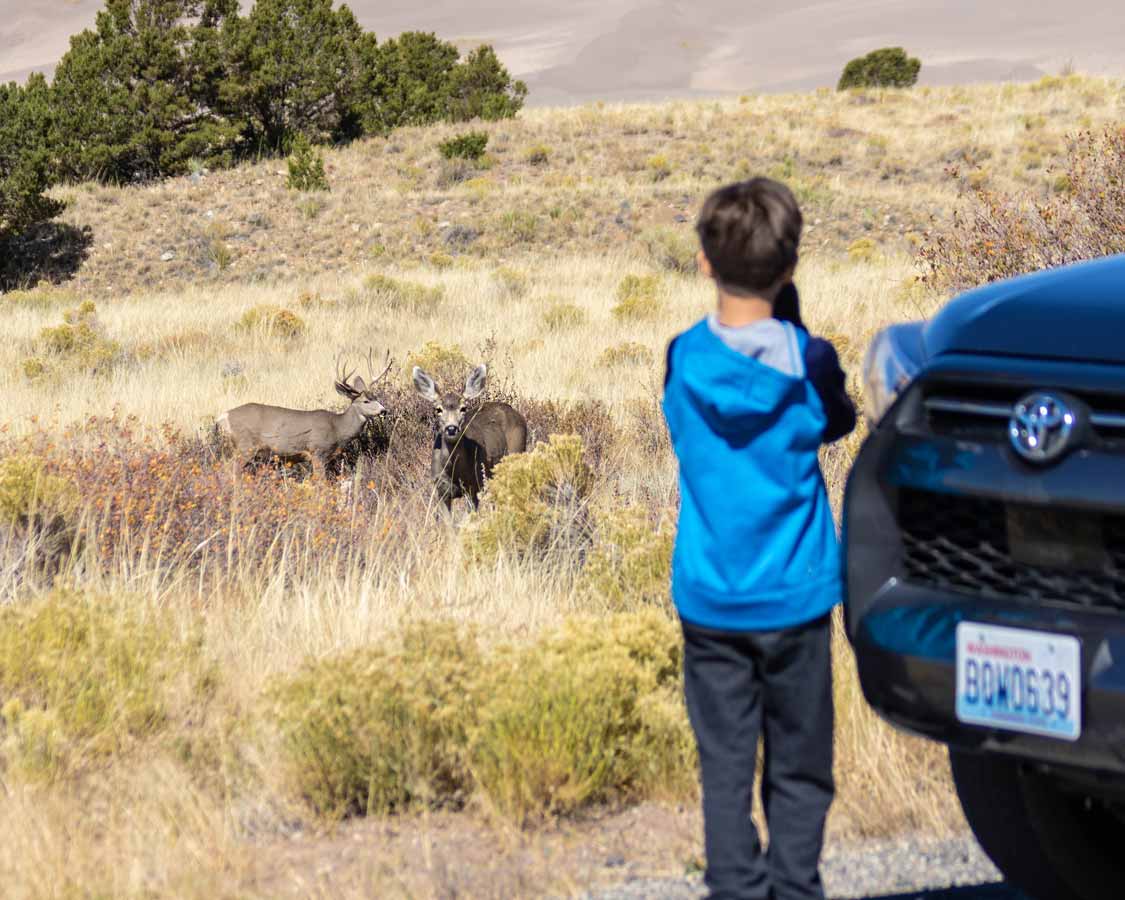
343,381
371,369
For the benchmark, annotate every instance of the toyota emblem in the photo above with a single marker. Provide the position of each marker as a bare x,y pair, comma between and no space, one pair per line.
1041,427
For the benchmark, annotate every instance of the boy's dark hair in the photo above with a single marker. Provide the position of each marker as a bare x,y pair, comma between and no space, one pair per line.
750,232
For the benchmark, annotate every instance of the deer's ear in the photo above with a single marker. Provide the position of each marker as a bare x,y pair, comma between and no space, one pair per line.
345,390
358,385
474,384
424,385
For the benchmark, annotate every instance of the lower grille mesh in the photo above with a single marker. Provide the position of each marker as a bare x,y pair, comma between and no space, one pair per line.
961,544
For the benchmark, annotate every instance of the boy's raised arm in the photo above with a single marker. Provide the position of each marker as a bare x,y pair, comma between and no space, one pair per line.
824,371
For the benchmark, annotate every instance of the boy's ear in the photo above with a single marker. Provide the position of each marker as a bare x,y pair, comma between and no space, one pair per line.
704,264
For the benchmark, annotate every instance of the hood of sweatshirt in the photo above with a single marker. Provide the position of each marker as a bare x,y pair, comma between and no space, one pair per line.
739,379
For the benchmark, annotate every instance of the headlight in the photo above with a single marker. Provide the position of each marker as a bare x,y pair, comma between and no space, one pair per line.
894,358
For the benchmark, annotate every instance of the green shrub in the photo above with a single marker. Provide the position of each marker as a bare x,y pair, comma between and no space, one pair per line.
417,79
306,167
35,367
592,714
25,161
43,296
513,282
382,729
273,321
520,225
481,88
628,353
134,98
470,146
315,300
862,249
631,562
157,89
562,316
638,298
393,293
658,167
310,206
537,155
28,493
296,67
447,364
673,249
536,503
1054,82
888,67
452,172
79,343
83,679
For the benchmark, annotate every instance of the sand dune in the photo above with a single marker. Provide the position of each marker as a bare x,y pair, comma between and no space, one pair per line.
651,49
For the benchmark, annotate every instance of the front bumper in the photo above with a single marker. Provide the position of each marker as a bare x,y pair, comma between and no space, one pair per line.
904,633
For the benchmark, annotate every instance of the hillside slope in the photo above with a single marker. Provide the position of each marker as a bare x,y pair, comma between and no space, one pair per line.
875,164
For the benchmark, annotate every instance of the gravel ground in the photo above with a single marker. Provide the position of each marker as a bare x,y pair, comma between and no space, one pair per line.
954,869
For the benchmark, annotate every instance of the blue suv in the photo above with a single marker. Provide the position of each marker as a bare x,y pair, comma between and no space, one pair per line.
984,528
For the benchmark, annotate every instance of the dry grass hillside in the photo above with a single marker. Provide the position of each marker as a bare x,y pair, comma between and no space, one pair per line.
561,182
226,683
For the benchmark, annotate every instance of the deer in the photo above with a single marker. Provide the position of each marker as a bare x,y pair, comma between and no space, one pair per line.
468,443
316,435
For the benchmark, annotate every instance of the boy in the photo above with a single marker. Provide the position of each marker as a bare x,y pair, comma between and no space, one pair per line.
749,398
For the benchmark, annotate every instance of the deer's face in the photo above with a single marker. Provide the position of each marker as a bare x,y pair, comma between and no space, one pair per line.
450,410
449,416
369,407
363,401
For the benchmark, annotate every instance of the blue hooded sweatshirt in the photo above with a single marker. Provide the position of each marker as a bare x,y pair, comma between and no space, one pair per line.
756,547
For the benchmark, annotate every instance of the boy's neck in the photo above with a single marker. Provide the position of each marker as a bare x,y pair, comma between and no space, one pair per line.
736,311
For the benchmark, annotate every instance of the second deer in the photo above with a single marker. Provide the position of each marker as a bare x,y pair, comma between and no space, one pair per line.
316,435
468,443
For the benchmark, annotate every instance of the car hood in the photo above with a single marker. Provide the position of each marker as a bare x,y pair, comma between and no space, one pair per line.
1076,312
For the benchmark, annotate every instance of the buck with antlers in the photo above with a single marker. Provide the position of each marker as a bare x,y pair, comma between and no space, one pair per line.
315,435
468,442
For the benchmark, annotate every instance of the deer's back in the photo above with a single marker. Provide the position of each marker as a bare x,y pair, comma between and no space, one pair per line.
255,426
499,429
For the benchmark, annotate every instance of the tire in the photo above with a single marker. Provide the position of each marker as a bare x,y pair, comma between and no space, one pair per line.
992,795
1082,838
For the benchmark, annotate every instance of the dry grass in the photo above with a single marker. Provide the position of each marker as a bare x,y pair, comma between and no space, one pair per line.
274,571
269,572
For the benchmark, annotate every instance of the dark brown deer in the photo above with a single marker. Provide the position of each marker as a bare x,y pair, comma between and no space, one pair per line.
316,435
468,442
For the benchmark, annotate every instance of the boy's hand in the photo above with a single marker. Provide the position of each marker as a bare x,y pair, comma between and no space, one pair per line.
787,306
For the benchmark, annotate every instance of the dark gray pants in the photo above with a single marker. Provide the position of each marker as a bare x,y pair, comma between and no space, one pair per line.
776,684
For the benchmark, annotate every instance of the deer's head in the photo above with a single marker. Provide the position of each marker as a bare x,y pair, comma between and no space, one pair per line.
361,394
450,409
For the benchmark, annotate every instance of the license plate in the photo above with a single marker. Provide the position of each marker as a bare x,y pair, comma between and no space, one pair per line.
1017,680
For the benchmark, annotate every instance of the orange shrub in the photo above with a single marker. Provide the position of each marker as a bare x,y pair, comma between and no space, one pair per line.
996,236
171,499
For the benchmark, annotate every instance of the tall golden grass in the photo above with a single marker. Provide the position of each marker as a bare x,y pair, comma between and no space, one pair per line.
273,571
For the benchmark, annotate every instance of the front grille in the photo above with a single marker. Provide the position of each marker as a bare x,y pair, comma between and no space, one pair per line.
982,413
961,544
